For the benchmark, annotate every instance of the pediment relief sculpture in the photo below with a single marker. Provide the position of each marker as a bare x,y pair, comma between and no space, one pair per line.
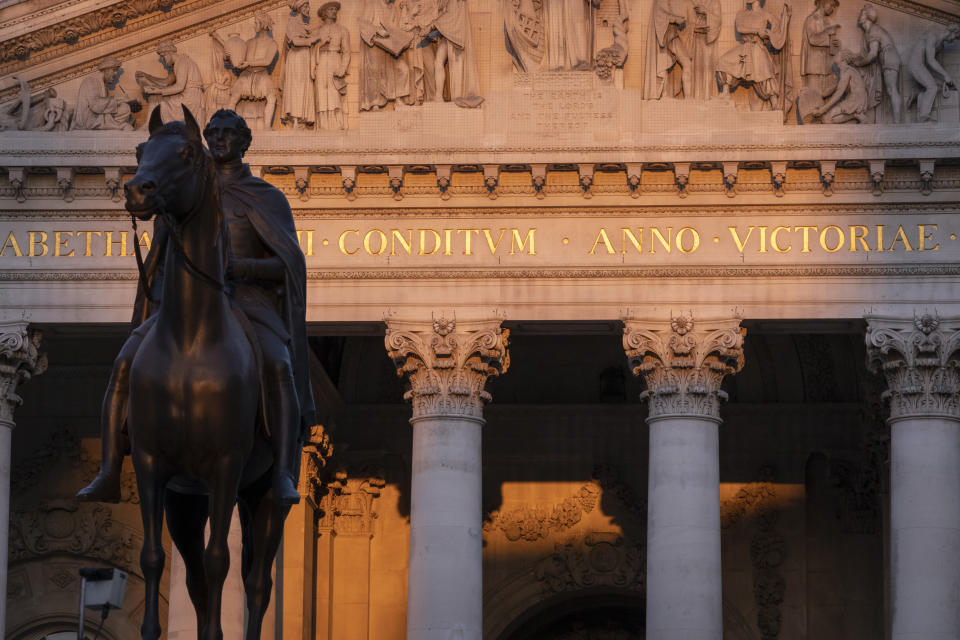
292,68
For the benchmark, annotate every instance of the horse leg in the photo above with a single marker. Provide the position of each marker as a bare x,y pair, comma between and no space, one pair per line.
216,557
151,484
186,519
265,521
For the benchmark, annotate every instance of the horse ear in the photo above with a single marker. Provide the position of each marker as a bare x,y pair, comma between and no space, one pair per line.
193,129
155,120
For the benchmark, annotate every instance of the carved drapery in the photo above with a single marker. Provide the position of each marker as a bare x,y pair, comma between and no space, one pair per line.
684,364
446,365
920,361
19,360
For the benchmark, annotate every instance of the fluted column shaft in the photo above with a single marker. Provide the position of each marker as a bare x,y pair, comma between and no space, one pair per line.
447,366
19,360
683,366
920,360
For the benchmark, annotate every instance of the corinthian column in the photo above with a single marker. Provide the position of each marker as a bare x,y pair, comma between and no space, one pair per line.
683,365
920,360
19,360
447,366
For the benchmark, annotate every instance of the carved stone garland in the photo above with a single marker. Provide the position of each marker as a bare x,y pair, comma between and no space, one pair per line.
448,368
921,364
684,367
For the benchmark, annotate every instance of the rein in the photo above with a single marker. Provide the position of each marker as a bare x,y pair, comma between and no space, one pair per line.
192,268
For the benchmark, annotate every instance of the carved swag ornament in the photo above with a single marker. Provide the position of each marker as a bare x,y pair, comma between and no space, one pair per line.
448,366
920,362
684,365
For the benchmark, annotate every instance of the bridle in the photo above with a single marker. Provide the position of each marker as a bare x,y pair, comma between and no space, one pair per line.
202,167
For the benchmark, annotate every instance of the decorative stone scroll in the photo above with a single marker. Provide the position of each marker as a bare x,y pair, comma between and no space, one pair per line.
683,364
921,363
19,361
447,366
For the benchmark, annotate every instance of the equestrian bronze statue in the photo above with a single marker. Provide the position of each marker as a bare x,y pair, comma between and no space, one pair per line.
210,392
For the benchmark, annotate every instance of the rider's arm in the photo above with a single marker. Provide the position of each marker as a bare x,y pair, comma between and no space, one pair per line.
271,268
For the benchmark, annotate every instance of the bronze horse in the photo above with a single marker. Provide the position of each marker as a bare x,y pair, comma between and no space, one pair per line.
194,395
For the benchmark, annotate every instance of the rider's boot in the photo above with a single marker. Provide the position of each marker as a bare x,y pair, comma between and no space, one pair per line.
286,443
113,444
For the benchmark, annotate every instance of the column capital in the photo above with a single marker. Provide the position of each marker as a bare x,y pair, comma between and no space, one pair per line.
447,363
684,363
920,360
19,360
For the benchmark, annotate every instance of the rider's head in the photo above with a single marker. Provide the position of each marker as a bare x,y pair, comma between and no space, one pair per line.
227,135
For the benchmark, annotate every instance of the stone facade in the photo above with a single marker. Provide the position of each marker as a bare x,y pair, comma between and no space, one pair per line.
600,294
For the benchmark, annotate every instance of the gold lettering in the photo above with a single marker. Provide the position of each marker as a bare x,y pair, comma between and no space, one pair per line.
625,233
806,237
380,248
144,242
924,237
773,240
666,242
763,239
34,243
490,243
736,238
110,242
840,239
11,242
87,250
406,243
447,249
343,240
59,243
695,239
880,229
602,237
423,242
902,237
859,232
467,238
309,250
519,243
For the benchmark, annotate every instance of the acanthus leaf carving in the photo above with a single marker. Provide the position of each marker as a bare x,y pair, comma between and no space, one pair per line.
920,362
684,367
601,559
20,359
346,505
447,368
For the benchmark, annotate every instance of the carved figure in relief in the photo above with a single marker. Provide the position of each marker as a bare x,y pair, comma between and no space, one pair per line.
523,33
568,27
384,76
610,59
665,50
253,94
41,111
819,44
96,108
761,60
455,50
681,56
297,88
217,93
924,68
182,86
881,63
416,18
330,58
849,101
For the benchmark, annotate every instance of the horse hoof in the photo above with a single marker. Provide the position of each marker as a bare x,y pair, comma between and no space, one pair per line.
104,488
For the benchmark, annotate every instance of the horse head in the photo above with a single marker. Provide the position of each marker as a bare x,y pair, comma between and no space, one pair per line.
173,171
